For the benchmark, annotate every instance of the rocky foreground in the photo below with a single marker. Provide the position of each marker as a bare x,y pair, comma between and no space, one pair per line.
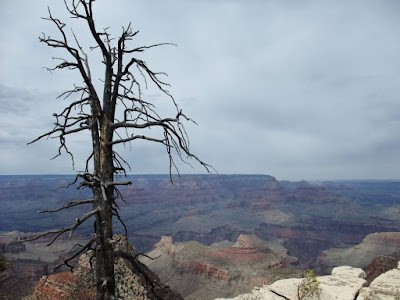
134,281
345,283
227,269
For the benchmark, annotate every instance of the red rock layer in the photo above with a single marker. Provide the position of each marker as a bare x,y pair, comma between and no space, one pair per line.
238,254
386,238
63,286
209,272
380,265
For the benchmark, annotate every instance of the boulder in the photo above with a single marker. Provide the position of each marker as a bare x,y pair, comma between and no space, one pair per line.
340,288
380,265
258,294
344,284
385,287
287,288
348,272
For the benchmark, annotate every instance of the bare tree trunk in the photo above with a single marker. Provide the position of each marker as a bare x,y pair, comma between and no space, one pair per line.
104,249
104,253
105,195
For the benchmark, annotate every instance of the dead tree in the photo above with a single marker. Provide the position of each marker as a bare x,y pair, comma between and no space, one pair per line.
118,114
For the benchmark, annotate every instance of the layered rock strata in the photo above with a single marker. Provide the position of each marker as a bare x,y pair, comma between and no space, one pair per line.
361,255
222,269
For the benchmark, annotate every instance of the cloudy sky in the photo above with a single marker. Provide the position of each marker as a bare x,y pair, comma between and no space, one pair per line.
293,89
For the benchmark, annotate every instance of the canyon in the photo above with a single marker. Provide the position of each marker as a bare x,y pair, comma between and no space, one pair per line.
204,272
227,269
307,224
29,261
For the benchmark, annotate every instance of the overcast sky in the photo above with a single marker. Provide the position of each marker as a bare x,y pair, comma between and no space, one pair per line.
293,89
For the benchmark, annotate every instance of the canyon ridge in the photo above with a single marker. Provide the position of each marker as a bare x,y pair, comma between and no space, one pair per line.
223,233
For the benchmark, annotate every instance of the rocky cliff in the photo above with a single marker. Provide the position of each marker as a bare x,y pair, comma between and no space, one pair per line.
205,272
132,279
30,261
380,265
361,255
212,208
385,286
307,219
345,283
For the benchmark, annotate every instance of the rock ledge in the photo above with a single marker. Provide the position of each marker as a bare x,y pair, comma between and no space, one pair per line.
345,283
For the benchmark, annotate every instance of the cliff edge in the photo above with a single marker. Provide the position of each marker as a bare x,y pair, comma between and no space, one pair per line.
344,283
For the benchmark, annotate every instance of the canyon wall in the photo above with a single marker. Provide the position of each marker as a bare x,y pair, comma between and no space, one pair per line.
361,255
311,220
204,272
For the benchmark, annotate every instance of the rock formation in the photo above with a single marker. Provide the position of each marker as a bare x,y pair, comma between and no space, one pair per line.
310,217
133,279
385,286
373,245
380,265
345,283
307,218
30,261
205,272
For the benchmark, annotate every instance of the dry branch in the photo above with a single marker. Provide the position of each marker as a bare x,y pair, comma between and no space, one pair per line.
69,205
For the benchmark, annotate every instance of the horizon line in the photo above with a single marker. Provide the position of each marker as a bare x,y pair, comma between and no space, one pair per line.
216,174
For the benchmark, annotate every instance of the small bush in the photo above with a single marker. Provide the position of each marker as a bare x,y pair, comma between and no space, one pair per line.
309,287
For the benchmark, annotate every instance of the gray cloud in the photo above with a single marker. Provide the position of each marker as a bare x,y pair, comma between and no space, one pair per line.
295,89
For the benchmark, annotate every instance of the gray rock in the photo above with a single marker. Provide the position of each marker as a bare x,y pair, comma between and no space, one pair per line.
344,284
348,272
287,288
340,288
385,287
263,293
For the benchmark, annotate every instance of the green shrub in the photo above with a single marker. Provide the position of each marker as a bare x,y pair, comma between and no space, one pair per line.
309,287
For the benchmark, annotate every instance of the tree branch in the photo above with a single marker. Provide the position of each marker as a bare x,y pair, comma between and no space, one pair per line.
69,205
66,261
135,137
59,232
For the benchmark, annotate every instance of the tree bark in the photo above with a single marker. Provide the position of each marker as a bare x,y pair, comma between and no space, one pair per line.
105,194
